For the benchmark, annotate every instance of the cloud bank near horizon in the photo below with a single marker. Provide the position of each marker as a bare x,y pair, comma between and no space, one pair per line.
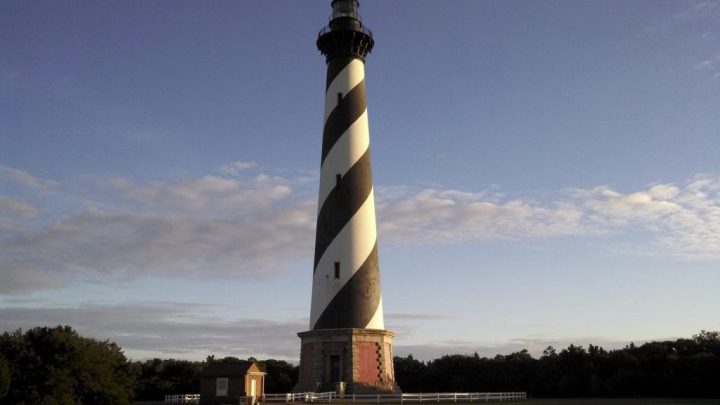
240,224
189,331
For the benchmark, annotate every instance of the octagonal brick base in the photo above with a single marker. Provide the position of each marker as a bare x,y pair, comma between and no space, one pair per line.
365,361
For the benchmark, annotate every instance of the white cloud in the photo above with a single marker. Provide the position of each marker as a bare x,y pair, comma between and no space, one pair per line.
235,168
167,329
15,208
484,349
25,179
707,6
18,278
695,11
209,195
610,207
254,227
250,228
685,220
711,65
193,331
430,216
703,65
105,243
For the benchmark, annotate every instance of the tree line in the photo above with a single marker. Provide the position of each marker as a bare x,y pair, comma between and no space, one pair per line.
683,368
56,365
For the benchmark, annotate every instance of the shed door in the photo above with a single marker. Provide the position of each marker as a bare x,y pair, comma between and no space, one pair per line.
252,387
221,387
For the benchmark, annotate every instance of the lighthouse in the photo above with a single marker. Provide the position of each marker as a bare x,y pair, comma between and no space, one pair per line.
346,347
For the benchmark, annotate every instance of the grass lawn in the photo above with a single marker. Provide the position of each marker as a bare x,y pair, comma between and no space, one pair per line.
563,401
615,401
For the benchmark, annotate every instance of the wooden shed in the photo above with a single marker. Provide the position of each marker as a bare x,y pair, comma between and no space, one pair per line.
225,382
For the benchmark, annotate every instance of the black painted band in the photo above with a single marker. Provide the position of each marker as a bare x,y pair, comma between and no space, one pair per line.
357,301
350,108
342,203
335,67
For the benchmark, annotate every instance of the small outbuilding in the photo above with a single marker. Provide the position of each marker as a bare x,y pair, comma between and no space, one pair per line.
226,382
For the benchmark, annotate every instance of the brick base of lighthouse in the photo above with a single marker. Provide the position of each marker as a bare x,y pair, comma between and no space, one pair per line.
361,358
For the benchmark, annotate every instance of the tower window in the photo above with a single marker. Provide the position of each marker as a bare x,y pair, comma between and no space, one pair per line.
338,177
337,270
339,98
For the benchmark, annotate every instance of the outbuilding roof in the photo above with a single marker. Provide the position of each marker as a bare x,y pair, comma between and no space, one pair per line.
229,368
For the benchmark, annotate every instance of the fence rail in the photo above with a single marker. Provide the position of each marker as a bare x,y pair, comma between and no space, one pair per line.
301,397
397,398
182,399
444,397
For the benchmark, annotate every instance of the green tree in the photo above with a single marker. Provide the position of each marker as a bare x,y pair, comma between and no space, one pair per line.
4,377
281,376
57,366
410,373
157,378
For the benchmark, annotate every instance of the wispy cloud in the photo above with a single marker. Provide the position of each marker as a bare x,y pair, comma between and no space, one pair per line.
534,346
255,226
235,168
707,63
25,179
192,331
173,330
208,196
15,208
710,65
248,228
697,9
415,317
431,216
684,219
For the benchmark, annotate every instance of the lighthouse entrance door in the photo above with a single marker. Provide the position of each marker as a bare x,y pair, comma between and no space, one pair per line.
335,368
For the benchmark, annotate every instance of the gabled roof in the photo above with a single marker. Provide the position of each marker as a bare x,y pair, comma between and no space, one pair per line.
228,368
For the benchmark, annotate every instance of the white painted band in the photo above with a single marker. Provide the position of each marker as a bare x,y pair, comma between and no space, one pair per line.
343,155
346,80
351,247
377,320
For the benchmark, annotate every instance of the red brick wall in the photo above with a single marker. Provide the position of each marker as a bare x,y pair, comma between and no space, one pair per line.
368,369
307,372
390,367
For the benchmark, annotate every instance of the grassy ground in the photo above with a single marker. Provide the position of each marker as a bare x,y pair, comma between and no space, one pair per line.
588,401
616,401
601,401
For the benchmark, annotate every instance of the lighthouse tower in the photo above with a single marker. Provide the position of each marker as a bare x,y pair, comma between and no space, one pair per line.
346,346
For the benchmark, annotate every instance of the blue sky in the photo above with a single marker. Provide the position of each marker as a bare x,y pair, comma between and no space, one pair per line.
546,173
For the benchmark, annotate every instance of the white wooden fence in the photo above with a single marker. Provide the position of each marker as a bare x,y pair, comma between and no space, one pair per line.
182,399
397,398
301,397
370,398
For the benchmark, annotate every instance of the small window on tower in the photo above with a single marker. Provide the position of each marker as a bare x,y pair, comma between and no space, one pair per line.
338,177
337,269
339,98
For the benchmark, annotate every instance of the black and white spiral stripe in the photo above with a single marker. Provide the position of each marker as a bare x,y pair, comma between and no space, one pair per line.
346,237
